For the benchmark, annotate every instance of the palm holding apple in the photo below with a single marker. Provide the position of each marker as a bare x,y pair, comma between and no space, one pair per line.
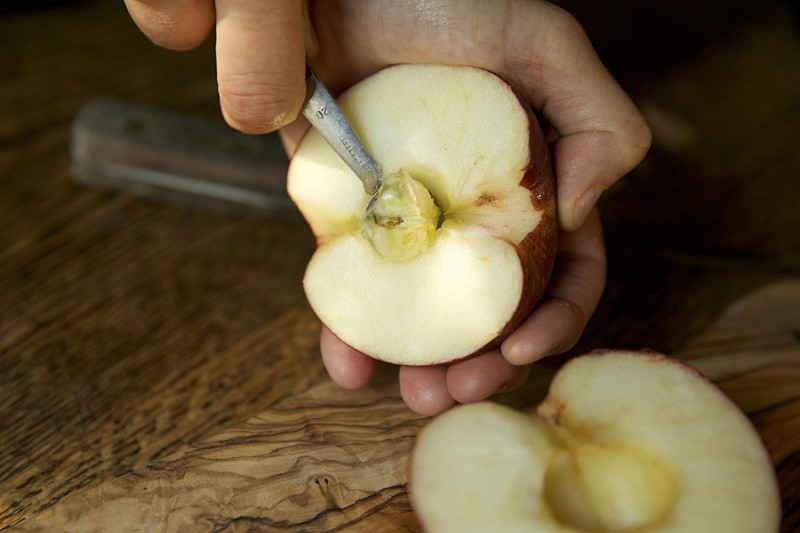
535,46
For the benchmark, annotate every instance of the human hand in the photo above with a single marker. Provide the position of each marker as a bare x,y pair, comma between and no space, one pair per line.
599,134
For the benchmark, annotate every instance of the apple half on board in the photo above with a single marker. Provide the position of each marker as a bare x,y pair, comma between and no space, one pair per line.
623,442
458,245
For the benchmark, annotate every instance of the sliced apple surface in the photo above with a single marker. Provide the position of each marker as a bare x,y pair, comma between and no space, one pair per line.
623,442
459,243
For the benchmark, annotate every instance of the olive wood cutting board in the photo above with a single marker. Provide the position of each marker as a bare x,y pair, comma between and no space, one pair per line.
329,459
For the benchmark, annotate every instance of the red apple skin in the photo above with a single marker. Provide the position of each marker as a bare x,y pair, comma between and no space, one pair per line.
537,251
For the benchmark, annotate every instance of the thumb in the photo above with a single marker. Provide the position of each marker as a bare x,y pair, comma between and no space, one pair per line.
260,62
588,162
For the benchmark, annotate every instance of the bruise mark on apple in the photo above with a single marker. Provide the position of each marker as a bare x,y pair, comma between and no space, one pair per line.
540,176
551,411
486,198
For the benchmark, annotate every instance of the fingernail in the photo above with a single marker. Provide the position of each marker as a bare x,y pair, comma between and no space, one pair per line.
290,115
282,119
521,353
584,205
514,353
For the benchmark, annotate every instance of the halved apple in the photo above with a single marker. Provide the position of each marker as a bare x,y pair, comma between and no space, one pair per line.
623,442
458,245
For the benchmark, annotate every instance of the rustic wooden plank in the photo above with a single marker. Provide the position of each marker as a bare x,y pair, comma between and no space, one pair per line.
314,462
127,329
323,460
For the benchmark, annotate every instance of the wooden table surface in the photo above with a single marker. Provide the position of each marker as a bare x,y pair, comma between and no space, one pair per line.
131,330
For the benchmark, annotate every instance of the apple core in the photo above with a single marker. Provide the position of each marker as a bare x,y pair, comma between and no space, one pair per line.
402,219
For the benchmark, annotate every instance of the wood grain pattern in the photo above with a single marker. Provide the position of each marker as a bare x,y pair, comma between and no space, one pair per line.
315,462
324,461
127,329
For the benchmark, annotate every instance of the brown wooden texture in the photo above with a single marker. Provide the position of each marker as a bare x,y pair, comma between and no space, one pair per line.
323,460
314,462
127,329
131,331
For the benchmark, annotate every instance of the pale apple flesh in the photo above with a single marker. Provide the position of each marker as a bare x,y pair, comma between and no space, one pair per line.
623,442
460,243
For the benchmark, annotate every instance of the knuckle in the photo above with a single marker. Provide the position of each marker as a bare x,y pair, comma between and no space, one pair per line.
575,316
567,24
575,320
564,26
629,140
635,142
639,137
168,31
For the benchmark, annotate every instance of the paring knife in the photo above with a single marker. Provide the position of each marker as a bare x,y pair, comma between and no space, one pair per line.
326,117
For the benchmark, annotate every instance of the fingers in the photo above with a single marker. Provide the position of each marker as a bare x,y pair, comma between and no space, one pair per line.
347,367
588,162
424,389
173,24
602,134
477,378
574,293
260,62
261,52
429,390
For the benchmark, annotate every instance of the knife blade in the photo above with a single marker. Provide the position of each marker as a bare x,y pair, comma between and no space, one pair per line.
325,115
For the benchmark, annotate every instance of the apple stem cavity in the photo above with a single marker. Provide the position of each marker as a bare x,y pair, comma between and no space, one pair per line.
608,488
402,219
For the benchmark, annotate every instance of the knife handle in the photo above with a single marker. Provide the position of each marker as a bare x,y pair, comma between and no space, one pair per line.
180,159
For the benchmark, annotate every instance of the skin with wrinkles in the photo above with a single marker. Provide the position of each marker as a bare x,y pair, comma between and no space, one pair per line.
261,50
